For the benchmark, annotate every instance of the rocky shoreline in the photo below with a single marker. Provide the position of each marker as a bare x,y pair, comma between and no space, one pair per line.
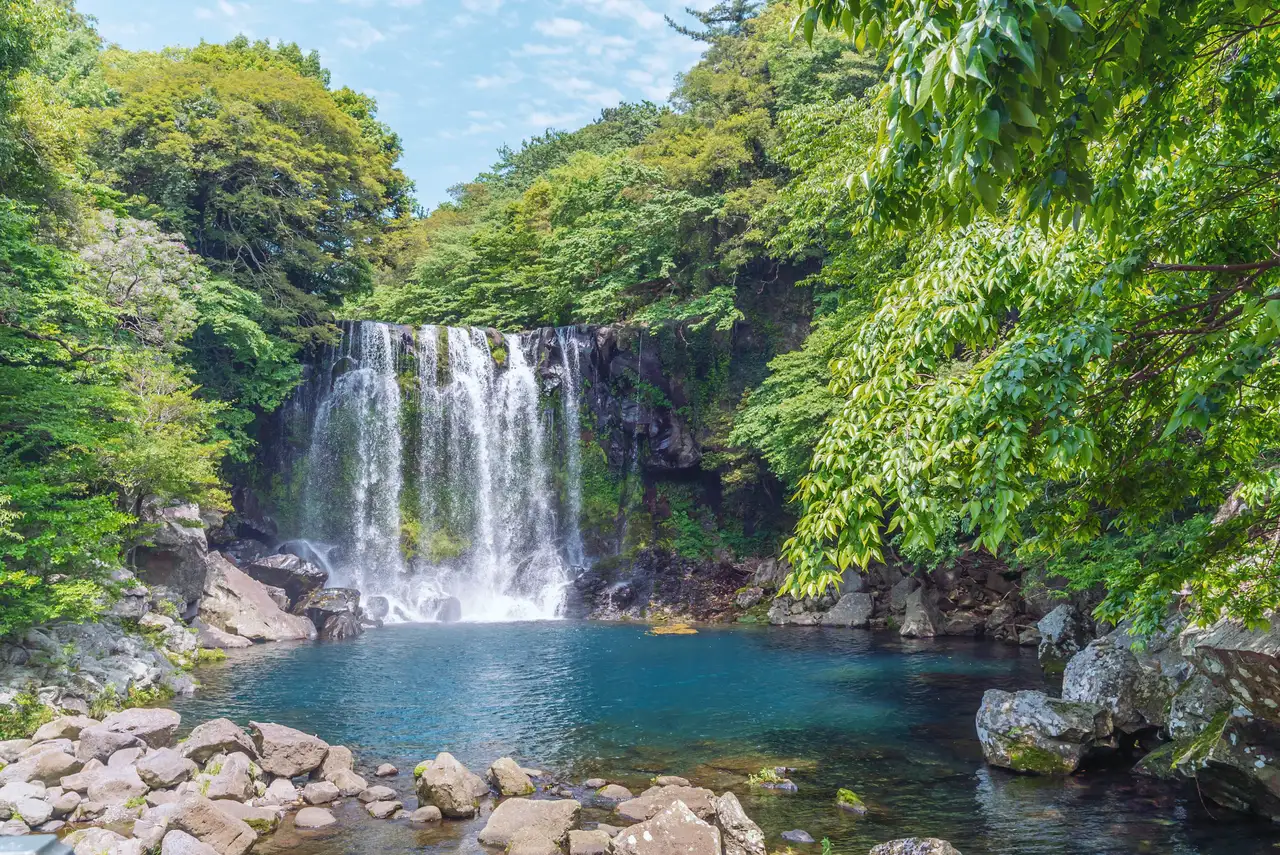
126,785
1190,703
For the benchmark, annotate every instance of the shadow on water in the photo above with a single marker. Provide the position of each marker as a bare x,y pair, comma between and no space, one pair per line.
889,718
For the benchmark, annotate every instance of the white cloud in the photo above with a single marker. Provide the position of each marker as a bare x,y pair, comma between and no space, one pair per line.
635,10
405,4
528,49
560,28
495,81
484,7
358,34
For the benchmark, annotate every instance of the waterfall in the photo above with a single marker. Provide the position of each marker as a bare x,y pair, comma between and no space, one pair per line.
475,529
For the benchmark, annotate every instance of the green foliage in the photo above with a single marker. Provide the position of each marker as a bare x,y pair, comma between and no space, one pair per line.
767,775
23,716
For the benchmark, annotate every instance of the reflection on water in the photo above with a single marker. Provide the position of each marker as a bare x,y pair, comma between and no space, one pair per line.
888,718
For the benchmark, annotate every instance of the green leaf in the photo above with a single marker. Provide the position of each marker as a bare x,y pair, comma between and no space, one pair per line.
988,124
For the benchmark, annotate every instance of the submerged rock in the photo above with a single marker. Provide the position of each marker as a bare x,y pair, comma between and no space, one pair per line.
594,842
797,835
313,817
1031,732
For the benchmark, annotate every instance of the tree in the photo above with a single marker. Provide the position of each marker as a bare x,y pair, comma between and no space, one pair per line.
725,19
1110,371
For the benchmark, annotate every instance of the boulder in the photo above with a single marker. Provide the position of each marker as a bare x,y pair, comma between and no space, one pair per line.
285,752
165,768
741,836
17,828
155,727
98,743
125,757
386,770
1031,732
281,791
384,810
298,578
175,553
921,618
1243,663
349,783
10,749
93,841
218,736
338,759
530,841
334,611
1063,633
915,846
508,779
550,818
658,798
450,786
115,786
66,804
313,817
33,811
1107,674
376,794
899,592
675,830
279,597
798,835
235,603
670,781
63,727
215,639
852,610
210,824
594,842
232,778
50,767
1235,763
1194,706
263,820
615,793
177,842
430,813
320,793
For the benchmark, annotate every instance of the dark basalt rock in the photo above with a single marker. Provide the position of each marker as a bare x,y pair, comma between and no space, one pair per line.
335,612
297,577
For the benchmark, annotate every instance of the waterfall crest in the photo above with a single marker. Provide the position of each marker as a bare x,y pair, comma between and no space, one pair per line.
430,475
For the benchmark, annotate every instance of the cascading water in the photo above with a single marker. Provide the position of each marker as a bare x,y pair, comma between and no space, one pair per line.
474,529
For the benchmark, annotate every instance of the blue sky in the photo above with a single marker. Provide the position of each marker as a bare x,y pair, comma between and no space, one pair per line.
455,78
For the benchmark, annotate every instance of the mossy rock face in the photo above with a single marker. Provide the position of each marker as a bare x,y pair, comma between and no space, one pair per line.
1038,761
848,800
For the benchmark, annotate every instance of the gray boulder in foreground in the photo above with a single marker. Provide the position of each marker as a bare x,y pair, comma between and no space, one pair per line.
673,831
550,818
450,786
1029,731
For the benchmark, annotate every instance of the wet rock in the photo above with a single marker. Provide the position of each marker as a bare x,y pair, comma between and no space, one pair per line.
797,835
218,736
210,824
450,610
921,618
657,798
962,624
349,783
741,836
313,817
177,842
285,752
1063,633
386,770
594,783
852,610
749,597
450,786
592,842
508,779
670,781
915,846
429,813
296,577
319,793
848,800
165,768
899,592
1194,706
377,794
1032,732
550,818
335,613
614,793
1243,663
1236,763
235,603
279,597
384,810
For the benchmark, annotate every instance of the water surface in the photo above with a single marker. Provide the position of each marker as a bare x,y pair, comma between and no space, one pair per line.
889,718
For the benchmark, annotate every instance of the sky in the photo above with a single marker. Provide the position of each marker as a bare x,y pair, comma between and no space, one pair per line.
455,79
